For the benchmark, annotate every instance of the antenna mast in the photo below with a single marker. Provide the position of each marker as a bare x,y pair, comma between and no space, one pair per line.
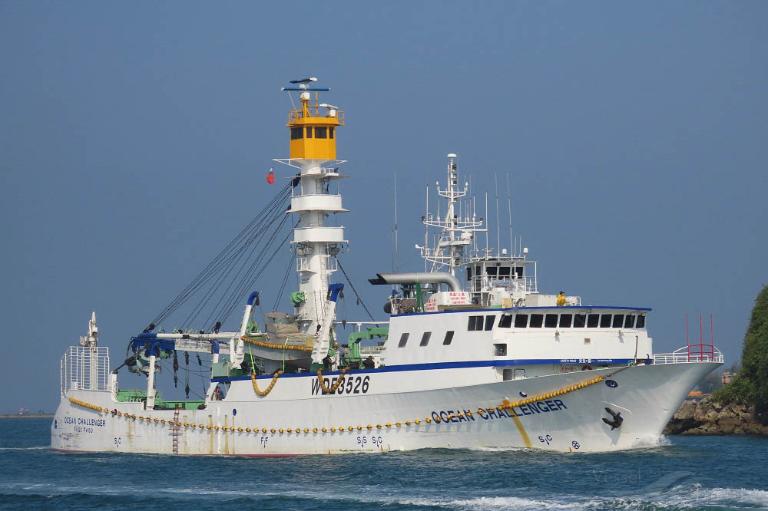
396,254
456,229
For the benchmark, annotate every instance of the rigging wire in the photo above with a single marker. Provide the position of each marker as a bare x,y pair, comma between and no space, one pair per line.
252,275
223,256
229,274
284,282
349,281
250,283
234,260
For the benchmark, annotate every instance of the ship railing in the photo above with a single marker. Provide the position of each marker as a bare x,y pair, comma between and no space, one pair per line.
371,350
526,284
359,325
85,368
684,355
297,114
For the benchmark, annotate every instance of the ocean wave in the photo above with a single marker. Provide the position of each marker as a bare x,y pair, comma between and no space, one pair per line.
681,497
512,503
369,498
34,448
696,495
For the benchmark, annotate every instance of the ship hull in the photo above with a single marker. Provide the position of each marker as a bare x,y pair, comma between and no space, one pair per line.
297,419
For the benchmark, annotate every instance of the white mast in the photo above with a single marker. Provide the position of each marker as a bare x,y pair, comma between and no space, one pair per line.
456,231
313,152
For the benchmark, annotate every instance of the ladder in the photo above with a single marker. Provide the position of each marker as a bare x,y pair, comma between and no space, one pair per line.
176,429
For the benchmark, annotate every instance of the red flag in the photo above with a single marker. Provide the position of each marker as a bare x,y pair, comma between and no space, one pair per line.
271,177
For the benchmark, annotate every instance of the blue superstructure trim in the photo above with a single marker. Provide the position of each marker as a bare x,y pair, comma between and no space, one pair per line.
550,307
440,365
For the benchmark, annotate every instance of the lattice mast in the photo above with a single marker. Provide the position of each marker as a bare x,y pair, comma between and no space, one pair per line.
457,226
313,129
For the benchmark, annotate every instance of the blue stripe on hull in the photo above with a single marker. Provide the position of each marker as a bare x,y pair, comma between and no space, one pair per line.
585,308
439,365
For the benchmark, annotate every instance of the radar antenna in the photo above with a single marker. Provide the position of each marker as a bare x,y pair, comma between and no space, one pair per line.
303,85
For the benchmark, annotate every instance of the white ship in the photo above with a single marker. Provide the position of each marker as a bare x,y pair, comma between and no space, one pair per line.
488,363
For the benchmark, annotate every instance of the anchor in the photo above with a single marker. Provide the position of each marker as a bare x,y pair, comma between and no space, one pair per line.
616,419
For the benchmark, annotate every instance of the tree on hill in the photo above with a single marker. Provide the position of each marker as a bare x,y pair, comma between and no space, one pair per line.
750,385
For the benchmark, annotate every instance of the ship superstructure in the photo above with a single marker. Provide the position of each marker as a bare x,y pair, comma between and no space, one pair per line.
472,355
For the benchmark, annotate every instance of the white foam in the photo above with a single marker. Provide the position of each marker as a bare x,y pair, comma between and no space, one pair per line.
515,503
501,449
695,496
504,502
684,496
49,489
678,497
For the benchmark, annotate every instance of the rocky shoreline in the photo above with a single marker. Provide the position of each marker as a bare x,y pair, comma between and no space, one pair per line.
708,417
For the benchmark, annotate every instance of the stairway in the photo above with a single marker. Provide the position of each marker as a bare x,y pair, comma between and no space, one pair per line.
176,429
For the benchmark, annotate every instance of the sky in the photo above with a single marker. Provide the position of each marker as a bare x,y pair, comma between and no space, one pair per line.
135,138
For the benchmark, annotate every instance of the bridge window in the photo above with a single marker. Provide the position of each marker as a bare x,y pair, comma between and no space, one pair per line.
629,321
640,321
448,338
297,133
491,270
321,132
505,321
403,340
536,320
521,320
618,320
605,321
475,323
425,338
593,320
579,320
505,271
550,321
500,350
308,132
566,320
489,320
331,132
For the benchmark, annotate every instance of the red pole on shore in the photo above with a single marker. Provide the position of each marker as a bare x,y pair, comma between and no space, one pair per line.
701,336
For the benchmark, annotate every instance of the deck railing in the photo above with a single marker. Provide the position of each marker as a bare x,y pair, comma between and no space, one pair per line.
85,368
684,356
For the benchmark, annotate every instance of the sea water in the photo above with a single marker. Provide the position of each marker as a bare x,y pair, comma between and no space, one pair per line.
687,473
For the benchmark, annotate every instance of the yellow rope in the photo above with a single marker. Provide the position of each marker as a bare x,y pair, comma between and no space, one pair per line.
87,405
505,404
275,345
508,405
263,393
333,388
